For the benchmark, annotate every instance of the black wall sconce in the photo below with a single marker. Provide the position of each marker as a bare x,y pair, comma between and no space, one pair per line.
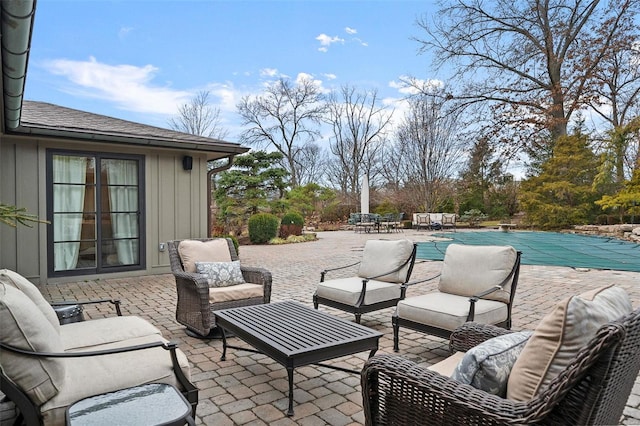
187,162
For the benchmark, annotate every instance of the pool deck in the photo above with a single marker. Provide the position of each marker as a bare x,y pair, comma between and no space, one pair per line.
251,389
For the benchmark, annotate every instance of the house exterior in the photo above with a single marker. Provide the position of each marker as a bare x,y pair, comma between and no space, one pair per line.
113,191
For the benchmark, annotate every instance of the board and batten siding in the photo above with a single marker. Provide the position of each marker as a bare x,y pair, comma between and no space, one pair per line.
175,201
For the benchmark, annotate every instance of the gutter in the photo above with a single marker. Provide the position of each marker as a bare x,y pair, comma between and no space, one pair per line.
16,27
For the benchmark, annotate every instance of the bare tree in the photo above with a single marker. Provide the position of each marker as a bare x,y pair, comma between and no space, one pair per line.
532,60
430,150
198,117
283,117
310,164
359,126
617,84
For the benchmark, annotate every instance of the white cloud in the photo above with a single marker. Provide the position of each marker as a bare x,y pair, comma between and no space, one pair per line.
413,86
269,72
330,76
362,43
124,32
326,41
349,30
127,86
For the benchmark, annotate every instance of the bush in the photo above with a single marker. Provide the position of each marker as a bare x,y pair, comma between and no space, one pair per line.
233,239
473,217
292,218
291,224
262,227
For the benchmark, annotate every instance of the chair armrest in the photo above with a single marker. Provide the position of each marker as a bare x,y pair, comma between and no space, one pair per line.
260,276
398,391
471,334
115,302
485,292
83,354
421,281
324,272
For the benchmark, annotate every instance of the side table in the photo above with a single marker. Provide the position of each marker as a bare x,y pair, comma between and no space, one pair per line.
150,404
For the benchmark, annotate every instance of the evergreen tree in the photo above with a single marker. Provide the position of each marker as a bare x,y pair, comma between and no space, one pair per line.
563,195
256,183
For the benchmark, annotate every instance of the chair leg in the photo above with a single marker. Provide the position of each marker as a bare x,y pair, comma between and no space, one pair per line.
358,318
396,333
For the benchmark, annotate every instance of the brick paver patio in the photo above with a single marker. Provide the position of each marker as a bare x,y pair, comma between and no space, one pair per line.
251,389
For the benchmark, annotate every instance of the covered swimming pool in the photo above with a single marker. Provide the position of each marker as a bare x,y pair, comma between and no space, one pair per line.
546,248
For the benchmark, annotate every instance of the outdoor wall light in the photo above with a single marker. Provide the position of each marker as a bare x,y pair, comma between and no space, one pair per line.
187,162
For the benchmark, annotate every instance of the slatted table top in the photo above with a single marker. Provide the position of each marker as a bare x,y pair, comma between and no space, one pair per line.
290,331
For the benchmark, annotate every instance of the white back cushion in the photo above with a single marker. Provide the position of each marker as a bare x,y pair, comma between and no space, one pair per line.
382,256
16,280
468,270
25,326
192,251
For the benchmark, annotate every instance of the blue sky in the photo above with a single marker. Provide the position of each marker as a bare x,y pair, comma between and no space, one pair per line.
140,60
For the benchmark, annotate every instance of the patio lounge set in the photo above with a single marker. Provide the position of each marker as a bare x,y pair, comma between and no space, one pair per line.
577,367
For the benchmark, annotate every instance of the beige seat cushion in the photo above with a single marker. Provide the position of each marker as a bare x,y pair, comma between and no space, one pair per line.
23,325
347,291
16,280
469,270
559,337
88,376
382,256
192,251
448,311
86,335
235,292
447,366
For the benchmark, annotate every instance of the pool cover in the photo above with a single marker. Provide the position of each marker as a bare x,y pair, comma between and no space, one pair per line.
547,248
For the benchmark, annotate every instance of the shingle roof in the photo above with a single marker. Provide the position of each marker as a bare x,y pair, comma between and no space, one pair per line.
42,118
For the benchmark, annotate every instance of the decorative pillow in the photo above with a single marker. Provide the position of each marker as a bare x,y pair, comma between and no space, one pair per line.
382,256
221,274
192,251
487,366
560,336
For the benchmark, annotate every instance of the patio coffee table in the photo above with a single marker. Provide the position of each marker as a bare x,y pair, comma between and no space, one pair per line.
295,335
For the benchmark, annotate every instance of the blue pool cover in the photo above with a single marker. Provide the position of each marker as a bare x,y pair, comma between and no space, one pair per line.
546,248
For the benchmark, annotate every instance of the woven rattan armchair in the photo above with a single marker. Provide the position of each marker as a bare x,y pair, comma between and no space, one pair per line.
593,389
194,309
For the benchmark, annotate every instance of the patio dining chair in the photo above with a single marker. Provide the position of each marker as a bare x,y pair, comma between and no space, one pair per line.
476,283
379,283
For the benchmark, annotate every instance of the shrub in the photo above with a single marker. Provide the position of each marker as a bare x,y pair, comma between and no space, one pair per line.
291,224
473,217
262,227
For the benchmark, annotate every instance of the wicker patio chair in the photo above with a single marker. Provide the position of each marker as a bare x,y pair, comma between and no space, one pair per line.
591,390
379,283
194,307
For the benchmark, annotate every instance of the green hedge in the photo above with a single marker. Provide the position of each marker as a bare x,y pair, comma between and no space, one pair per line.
263,227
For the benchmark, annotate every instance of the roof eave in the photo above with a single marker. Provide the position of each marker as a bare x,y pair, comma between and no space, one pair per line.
226,148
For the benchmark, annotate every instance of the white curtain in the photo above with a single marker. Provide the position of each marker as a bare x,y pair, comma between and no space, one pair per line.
123,197
69,177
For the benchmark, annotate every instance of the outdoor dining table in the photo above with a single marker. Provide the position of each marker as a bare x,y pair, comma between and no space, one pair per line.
295,335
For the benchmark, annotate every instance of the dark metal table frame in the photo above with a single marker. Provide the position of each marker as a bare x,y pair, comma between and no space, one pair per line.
295,335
